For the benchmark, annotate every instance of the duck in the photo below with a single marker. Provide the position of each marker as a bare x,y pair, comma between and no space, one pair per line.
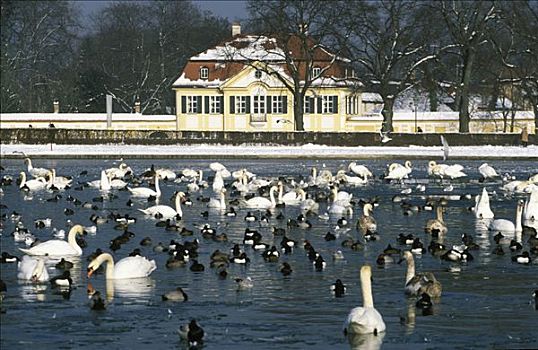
165,211
245,283
36,172
436,225
193,334
487,172
58,248
338,289
64,265
7,258
286,269
482,209
177,294
506,226
365,319
144,192
523,258
196,266
63,280
367,222
96,302
129,267
36,184
31,269
416,284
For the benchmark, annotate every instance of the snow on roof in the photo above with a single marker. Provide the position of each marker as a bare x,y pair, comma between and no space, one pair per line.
244,48
183,81
371,97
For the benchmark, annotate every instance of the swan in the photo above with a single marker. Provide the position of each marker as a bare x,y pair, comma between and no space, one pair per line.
360,170
165,174
293,197
445,170
340,207
103,184
482,209
437,224
218,203
365,319
262,202
487,171
367,222
518,186
119,172
129,267
309,204
58,182
36,172
352,180
507,226
399,172
166,211
218,182
31,269
144,192
34,184
340,195
58,248
530,210
416,284
218,167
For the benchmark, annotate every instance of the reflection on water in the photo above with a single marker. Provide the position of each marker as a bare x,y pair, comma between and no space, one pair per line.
366,341
486,302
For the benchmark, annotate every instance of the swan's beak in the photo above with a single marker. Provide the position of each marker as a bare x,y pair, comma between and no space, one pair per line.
90,272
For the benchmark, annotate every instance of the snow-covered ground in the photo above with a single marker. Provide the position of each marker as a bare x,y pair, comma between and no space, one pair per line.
245,151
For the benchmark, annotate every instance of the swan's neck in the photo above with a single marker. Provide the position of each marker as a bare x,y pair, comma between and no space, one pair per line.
178,205
72,238
222,201
30,166
410,268
157,188
366,210
105,257
23,179
314,172
38,269
335,194
272,195
280,192
105,181
302,193
440,214
366,287
519,211
201,176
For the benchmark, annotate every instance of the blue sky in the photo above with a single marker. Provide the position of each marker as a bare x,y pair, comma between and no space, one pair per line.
234,10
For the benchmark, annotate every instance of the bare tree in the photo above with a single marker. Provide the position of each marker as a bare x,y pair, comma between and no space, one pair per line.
383,41
305,36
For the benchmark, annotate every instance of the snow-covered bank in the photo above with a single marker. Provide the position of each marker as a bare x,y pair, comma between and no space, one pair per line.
249,151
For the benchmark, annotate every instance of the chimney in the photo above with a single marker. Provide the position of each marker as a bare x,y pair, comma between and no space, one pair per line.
56,106
137,107
236,29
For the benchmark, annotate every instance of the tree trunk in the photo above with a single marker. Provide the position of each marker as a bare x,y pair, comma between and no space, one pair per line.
298,111
466,81
535,110
388,113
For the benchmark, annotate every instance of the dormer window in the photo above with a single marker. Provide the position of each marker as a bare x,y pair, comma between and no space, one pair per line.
316,72
258,74
204,73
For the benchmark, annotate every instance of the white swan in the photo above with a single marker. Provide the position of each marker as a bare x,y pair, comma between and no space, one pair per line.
144,192
218,182
218,167
34,184
507,226
399,172
165,174
530,210
119,172
360,170
262,202
103,184
31,269
36,172
365,319
58,248
518,186
444,170
352,180
487,171
166,211
416,284
292,197
60,182
129,267
482,209
219,203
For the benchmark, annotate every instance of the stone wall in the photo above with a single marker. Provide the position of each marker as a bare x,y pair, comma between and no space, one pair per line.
76,136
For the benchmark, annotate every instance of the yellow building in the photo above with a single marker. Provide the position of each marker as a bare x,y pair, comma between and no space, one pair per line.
240,85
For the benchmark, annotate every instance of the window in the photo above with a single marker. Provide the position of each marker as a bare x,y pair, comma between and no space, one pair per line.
351,104
258,74
204,73
326,104
192,104
278,104
308,105
241,104
259,104
315,72
214,104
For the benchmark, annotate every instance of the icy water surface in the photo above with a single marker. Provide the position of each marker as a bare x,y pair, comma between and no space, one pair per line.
485,303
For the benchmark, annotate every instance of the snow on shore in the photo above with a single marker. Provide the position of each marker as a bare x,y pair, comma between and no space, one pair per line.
245,151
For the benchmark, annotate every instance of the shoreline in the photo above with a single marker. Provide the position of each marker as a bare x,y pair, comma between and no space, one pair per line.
308,151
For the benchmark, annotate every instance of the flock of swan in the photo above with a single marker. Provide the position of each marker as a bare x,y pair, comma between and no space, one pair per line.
321,195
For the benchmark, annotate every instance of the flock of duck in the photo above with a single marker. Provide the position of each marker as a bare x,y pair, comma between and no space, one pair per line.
321,196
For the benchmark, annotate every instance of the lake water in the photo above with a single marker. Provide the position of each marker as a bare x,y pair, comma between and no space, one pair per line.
486,303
